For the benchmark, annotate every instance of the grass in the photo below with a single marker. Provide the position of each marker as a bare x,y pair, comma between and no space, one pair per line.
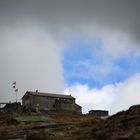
33,119
43,135
70,126
5,129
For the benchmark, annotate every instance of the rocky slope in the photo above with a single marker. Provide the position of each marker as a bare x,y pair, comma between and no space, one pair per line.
124,125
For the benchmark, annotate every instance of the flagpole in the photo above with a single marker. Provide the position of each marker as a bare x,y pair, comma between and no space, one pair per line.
16,96
15,89
70,91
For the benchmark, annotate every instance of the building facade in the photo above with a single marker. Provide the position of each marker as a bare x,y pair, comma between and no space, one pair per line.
48,101
99,113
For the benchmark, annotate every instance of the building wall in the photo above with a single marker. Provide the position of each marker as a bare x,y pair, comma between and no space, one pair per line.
67,104
48,103
99,113
43,103
78,109
33,102
26,101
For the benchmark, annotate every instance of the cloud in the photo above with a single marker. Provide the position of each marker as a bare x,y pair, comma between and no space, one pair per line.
90,63
115,22
30,57
31,33
113,97
64,16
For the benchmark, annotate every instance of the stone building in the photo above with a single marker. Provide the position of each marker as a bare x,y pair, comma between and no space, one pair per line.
48,101
99,113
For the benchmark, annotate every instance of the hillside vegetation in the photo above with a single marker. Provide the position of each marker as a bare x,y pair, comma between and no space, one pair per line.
124,125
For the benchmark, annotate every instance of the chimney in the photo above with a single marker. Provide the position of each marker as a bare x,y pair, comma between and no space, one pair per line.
37,91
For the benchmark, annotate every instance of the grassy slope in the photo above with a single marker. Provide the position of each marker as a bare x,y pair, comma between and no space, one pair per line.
70,126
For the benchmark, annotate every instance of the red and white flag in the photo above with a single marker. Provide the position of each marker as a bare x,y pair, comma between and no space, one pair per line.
14,83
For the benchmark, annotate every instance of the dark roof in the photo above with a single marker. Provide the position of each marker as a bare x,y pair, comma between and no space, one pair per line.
48,95
98,111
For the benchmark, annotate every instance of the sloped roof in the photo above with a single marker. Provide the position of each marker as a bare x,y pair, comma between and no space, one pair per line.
48,95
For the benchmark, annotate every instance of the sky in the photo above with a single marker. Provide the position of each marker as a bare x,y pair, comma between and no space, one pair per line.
91,47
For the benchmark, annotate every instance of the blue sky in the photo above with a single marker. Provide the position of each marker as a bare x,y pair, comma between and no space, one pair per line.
102,74
85,60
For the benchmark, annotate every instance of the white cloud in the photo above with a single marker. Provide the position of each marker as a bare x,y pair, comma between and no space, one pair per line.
31,57
112,97
114,44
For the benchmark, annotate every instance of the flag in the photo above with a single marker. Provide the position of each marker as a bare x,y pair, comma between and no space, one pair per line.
16,90
14,83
